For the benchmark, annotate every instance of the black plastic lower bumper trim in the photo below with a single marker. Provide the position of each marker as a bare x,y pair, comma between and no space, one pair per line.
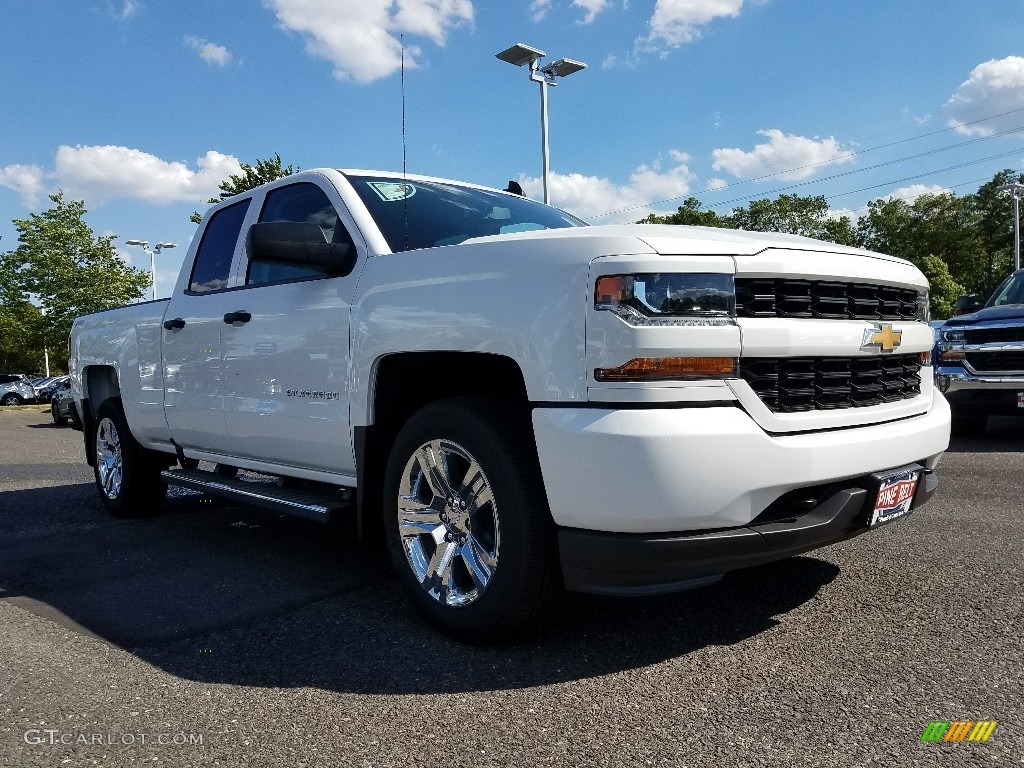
648,564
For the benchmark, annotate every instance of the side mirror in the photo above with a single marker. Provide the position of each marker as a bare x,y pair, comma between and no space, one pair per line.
966,304
300,244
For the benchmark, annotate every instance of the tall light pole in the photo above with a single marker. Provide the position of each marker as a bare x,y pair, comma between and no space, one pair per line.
523,55
152,256
1016,189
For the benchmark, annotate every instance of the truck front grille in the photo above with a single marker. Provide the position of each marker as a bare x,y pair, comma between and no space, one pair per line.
791,384
825,299
996,361
994,335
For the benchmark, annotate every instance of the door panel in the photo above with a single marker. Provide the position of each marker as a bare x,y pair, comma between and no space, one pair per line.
193,324
286,370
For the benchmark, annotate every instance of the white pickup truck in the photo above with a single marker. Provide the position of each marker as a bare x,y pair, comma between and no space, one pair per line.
517,402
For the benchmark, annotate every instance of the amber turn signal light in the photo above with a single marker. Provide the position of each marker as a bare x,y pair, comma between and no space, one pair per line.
667,368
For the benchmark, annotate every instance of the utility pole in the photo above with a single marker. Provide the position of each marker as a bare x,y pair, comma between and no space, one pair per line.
1016,189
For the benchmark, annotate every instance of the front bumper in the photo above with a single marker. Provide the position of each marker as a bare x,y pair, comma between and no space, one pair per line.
973,394
652,470
646,564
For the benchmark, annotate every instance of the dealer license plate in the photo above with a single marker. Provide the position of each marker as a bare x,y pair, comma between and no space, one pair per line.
1020,399
895,496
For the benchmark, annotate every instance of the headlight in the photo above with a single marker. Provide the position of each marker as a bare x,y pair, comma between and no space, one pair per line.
668,298
951,346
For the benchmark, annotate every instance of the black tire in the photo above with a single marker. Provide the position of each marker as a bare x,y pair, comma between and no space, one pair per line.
972,425
502,576
127,476
59,420
188,463
11,399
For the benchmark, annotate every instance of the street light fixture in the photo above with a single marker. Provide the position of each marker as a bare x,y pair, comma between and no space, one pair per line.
152,256
1017,189
524,55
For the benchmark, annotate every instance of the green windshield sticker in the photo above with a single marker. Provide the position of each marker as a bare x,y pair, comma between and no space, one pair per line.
391,191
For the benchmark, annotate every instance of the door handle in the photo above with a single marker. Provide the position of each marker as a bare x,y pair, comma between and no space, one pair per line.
174,324
241,316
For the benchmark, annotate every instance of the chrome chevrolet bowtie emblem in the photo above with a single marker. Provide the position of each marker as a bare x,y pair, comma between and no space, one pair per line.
881,335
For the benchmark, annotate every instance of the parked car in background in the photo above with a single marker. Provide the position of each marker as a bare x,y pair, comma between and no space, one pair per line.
15,389
61,405
46,390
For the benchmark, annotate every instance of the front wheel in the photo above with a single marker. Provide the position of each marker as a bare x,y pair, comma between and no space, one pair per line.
467,523
127,476
10,399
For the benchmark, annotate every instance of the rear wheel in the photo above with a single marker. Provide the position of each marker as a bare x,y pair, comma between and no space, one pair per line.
969,426
55,413
467,523
127,476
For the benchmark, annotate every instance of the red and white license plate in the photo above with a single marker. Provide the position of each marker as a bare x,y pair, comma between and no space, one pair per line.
895,496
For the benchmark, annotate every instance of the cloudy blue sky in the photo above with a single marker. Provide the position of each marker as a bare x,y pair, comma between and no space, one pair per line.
141,107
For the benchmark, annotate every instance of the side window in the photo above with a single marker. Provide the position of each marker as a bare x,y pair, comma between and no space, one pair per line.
303,202
213,259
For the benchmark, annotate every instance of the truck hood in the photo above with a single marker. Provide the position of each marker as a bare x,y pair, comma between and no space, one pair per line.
671,239
992,314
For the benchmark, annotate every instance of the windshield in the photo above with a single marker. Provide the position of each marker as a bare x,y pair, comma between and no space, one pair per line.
1010,292
423,214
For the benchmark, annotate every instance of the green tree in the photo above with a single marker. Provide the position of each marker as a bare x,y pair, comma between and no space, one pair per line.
691,212
795,215
250,177
946,225
995,227
887,228
64,270
944,289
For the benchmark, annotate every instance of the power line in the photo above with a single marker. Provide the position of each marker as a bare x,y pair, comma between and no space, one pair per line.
841,157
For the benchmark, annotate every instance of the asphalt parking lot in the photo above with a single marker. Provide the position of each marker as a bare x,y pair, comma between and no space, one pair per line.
221,635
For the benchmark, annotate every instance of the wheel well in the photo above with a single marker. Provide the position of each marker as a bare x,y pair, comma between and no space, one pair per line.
100,384
403,384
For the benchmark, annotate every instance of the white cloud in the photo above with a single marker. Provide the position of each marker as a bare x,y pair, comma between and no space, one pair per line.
994,87
591,8
590,196
796,156
360,37
715,184
539,9
209,52
676,22
125,10
837,213
101,173
914,191
26,180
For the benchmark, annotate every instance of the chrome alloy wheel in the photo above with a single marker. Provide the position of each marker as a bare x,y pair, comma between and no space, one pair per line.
108,458
448,522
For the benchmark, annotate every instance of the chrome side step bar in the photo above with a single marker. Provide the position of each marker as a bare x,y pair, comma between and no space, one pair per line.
316,505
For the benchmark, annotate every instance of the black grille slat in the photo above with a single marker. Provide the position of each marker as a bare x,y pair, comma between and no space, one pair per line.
994,335
997,361
794,384
823,299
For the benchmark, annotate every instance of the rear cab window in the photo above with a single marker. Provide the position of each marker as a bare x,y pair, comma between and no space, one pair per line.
212,267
